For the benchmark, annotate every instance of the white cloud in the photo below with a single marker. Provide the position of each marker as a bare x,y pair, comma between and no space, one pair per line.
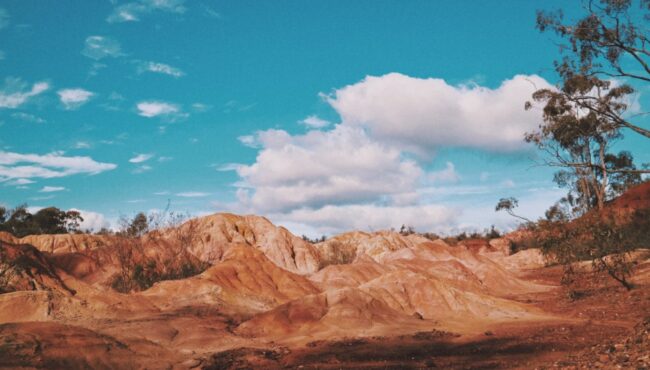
141,169
210,13
100,47
201,107
335,219
52,165
151,109
14,94
192,194
74,98
27,117
421,115
228,167
132,12
363,173
82,145
448,175
19,182
315,122
92,221
248,140
141,158
160,68
51,189
318,168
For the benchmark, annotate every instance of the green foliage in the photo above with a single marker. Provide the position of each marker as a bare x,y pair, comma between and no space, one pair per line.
51,220
603,239
315,240
144,275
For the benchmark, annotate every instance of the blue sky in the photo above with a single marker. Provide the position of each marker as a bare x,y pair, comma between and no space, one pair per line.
321,115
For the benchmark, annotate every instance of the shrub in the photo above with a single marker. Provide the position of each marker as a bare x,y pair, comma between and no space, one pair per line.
601,238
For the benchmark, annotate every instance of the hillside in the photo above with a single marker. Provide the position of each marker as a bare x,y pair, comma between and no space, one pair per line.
269,299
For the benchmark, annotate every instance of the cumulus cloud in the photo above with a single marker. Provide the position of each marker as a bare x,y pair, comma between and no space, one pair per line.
133,12
315,122
15,93
422,115
318,168
334,219
52,165
151,109
364,172
51,189
161,68
100,47
141,158
74,98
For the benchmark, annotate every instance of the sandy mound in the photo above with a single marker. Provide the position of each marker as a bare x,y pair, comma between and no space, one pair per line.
215,234
56,346
23,267
245,279
331,314
68,243
346,247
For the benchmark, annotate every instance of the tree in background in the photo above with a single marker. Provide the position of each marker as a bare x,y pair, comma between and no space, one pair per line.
51,220
604,53
508,205
589,110
609,42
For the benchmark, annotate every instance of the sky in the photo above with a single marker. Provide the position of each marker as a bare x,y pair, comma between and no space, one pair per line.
323,116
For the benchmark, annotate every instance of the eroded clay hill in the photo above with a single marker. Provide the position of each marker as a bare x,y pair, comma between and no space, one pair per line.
264,288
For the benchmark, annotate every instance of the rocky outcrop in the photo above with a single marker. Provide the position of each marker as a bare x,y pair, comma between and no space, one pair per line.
212,236
23,267
245,281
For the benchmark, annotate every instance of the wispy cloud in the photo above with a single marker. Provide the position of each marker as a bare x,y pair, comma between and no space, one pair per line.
133,12
141,169
74,98
229,167
192,194
248,140
27,117
19,182
210,13
15,93
51,189
151,109
100,47
315,122
141,158
51,165
161,68
82,145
